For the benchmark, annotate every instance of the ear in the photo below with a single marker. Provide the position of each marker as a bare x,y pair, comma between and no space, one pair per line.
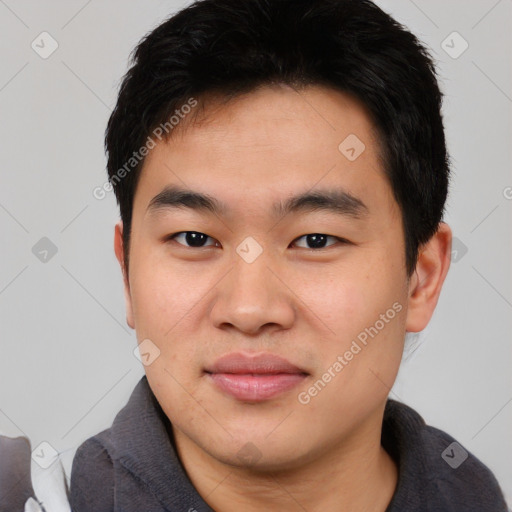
428,278
119,250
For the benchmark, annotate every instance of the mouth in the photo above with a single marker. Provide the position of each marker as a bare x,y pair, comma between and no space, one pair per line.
254,378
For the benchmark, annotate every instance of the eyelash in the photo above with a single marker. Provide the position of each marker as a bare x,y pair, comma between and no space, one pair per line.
339,239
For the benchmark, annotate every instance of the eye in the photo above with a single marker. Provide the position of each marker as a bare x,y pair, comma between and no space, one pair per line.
318,240
193,239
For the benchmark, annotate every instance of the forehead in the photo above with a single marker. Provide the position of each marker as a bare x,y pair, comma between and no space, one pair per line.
268,144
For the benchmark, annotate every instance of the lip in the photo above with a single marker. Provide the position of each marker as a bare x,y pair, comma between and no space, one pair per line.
265,363
254,378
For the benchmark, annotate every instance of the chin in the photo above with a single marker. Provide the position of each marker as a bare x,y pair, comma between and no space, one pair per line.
252,459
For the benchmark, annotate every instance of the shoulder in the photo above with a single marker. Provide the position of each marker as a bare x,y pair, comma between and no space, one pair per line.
92,475
435,471
97,461
459,475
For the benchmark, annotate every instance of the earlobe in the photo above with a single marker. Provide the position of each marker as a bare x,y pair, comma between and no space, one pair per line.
119,251
428,278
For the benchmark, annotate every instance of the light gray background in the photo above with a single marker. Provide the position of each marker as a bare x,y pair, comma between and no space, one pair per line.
66,361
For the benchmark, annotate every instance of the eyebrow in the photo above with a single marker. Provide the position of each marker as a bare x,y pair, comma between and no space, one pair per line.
337,201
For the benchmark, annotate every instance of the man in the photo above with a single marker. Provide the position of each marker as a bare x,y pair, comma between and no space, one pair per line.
281,172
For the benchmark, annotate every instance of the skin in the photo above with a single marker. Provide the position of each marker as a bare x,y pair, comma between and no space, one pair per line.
304,304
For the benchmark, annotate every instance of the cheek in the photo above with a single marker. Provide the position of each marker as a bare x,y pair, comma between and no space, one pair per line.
362,302
162,294
345,298
168,306
163,298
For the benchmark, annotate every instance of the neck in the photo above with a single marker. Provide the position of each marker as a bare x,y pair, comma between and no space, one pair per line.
357,474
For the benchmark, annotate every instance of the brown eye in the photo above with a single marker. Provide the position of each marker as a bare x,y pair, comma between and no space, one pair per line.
317,241
192,239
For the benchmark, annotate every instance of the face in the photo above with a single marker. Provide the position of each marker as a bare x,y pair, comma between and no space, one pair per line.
319,282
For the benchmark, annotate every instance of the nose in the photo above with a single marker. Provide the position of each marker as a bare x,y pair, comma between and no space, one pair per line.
252,298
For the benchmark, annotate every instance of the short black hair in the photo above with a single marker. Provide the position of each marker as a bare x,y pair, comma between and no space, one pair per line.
231,47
